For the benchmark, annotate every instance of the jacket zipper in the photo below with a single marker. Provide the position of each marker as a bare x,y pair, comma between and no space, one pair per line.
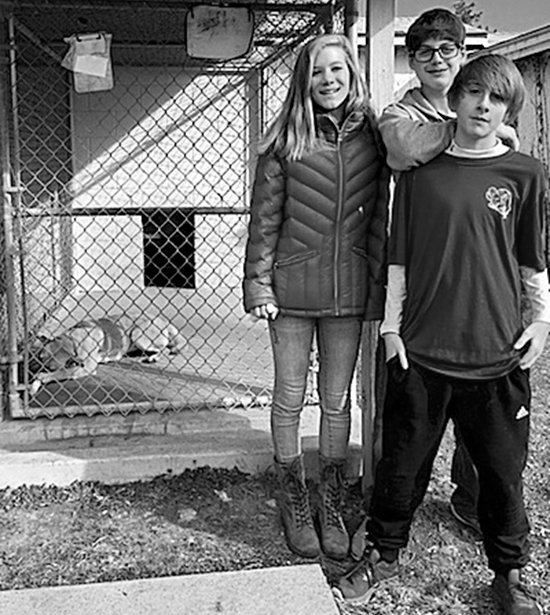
339,207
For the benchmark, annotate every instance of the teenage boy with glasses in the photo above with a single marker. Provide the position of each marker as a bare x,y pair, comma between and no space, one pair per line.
421,125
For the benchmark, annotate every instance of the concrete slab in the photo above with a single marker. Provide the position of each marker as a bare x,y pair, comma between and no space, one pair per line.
296,590
119,449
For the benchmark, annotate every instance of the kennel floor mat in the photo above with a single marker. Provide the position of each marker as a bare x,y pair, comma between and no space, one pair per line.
129,386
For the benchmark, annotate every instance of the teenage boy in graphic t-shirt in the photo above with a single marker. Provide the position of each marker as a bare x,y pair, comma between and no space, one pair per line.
415,130
467,232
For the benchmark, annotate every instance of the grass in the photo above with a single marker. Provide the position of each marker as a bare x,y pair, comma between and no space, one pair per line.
214,520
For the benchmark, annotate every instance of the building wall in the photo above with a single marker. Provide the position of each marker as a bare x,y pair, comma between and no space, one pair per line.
534,121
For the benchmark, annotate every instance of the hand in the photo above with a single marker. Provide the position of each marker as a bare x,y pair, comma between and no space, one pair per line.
395,346
508,136
535,337
269,311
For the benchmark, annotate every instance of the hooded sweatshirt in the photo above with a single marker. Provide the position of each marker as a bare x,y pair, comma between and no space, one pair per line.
414,131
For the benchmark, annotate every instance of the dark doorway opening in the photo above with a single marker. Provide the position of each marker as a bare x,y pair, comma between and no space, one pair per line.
169,248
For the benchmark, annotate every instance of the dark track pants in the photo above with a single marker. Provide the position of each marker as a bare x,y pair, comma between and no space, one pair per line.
493,419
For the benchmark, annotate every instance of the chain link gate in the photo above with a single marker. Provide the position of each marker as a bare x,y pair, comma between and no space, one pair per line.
125,211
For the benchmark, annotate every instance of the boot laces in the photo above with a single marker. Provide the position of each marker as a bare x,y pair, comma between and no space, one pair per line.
333,495
298,496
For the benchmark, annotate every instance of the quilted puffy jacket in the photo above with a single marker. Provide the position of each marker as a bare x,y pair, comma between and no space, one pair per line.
317,231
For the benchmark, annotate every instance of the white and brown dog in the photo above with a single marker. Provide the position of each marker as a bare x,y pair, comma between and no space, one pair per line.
79,350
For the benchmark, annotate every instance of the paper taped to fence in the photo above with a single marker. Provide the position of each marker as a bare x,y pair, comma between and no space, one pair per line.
89,58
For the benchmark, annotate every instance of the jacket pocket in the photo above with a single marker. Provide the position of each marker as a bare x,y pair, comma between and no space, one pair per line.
359,272
296,281
295,259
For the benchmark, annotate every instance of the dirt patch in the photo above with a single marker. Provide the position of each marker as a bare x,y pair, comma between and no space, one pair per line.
215,520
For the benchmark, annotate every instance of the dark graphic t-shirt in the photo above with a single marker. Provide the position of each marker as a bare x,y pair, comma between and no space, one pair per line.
462,227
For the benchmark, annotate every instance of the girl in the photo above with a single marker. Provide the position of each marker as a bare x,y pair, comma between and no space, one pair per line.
315,265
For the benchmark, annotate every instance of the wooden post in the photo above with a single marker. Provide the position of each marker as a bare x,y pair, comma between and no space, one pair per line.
379,17
380,51
351,24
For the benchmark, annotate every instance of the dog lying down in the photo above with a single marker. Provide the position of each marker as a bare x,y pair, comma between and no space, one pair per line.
78,351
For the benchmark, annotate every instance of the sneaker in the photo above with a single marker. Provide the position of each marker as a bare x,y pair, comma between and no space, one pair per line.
512,596
466,518
358,584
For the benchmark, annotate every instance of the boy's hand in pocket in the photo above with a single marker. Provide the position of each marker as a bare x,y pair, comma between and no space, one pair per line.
395,346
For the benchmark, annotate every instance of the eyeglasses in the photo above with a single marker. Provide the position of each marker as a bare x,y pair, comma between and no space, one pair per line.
426,54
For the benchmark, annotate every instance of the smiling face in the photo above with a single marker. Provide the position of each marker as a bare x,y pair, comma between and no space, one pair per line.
436,75
479,113
330,80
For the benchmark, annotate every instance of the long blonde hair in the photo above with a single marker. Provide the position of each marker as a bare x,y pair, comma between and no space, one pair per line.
292,133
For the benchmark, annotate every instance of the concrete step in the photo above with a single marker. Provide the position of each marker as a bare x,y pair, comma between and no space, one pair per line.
135,458
26,433
119,449
296,590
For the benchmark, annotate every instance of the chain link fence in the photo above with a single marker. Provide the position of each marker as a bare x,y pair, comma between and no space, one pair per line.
124,212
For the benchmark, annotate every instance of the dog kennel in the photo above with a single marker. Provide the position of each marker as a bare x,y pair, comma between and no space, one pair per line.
125,189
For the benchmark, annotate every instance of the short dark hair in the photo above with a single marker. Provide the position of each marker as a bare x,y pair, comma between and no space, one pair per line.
495,74
438,24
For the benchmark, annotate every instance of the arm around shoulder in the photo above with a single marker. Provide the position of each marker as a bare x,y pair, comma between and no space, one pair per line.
411,142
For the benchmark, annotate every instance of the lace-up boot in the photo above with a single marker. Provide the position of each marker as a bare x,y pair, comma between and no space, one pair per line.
512,596
334,536
293,501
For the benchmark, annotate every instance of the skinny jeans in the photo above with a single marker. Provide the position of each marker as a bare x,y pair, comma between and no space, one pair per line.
338,340
493,419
